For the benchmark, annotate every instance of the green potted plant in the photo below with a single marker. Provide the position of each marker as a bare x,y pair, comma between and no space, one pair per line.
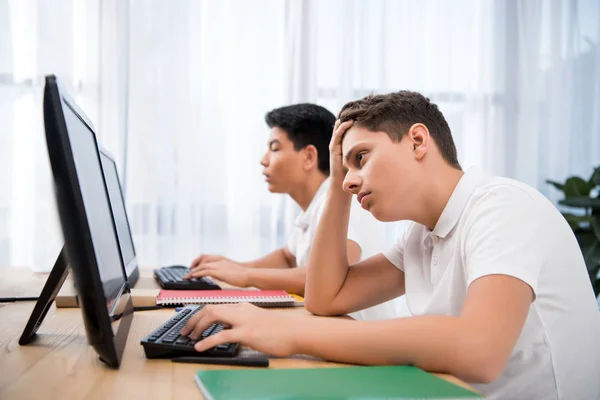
579,193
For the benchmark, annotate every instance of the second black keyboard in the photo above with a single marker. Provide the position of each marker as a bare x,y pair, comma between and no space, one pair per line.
172,278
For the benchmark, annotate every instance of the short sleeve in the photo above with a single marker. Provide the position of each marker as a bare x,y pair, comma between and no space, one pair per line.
504,235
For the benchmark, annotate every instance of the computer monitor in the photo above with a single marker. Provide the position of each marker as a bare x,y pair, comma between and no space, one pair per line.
117,202
87,224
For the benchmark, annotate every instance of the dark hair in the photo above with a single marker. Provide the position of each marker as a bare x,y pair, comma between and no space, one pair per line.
306,124
395,113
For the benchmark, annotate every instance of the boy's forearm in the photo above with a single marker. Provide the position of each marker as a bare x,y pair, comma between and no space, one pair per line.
433,343
276,259
328,262
291,280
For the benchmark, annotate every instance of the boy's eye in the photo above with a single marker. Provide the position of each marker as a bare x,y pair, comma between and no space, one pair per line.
359,157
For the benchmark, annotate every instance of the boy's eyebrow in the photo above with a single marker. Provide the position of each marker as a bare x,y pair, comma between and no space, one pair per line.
349,152
273,141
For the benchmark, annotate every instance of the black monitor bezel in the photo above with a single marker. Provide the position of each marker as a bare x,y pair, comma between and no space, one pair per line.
78,241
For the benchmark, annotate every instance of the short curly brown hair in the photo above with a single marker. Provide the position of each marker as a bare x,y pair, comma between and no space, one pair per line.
395,113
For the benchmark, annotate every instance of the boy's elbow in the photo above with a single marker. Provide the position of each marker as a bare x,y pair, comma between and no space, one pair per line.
316,307
485,374
484,366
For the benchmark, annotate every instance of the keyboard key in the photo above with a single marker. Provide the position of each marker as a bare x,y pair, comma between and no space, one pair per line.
182,340
217,330
208,331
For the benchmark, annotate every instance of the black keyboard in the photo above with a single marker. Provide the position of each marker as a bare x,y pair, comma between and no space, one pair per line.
166,342
172,278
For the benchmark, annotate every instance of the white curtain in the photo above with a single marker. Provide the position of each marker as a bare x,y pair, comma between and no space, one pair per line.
201,77
36,38
178,91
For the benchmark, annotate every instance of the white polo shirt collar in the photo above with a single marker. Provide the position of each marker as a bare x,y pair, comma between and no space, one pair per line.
456,205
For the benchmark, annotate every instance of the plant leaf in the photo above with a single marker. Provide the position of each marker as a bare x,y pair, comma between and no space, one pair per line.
557,185
581,201
595,178
586,241
591,255
575,221
585,238
595,224
577,187
590,248
593,273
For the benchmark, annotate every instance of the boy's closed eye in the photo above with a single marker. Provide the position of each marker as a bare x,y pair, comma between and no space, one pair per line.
274,145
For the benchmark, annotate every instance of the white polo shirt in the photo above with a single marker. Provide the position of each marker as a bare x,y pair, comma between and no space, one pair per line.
359,231
495,225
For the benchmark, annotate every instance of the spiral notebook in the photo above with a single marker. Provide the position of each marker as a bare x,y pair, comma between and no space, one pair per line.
261,298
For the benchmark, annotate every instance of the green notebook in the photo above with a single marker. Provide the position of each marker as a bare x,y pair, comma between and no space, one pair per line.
390,382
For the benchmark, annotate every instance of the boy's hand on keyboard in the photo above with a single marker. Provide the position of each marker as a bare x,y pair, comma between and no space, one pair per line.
223,270
267,331
206,258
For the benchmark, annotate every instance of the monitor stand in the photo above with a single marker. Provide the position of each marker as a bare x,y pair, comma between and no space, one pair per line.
51,287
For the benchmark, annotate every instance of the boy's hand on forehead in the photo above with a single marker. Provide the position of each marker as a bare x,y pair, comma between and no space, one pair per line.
336,166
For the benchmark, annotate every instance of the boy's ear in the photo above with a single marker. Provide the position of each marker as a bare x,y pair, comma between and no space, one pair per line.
311,157
420,139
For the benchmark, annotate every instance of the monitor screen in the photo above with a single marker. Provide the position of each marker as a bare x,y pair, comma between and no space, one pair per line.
96,204
117,203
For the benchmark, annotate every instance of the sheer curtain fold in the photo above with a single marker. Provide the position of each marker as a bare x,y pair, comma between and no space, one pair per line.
37,38
178,92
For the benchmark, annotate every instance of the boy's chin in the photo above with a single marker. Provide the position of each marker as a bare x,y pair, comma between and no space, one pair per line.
274,189
381,215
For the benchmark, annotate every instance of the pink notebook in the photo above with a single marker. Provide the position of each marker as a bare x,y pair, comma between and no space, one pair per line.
261,298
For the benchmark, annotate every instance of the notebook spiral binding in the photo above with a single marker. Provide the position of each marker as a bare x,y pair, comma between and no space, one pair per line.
265,301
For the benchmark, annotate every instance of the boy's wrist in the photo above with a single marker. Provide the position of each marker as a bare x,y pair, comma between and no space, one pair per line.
298,329
338,194
250,277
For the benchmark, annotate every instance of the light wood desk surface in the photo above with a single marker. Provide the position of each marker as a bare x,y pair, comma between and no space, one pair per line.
61,365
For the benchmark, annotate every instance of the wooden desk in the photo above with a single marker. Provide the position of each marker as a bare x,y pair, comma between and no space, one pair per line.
61,365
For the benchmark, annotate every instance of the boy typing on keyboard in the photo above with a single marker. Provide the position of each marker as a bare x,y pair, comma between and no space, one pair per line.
491,270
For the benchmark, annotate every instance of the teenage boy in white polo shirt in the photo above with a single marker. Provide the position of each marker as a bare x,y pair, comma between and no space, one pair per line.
296,163
491,270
